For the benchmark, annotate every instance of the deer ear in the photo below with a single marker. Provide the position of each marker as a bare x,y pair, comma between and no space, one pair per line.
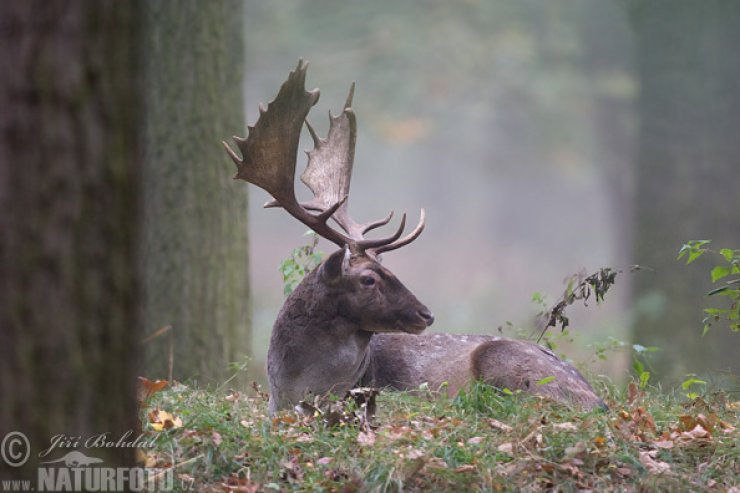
335,266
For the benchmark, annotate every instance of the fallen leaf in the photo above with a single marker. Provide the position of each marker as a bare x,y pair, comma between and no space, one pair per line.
600,441
286,418
576,449
325,460
162,420
151,460
397,432
291,471
436,463
506,448
366,437
507,469
233,396
147,388
653,466
666,444
465,468
216,437
186,478
475,440
726,427
632,392
538,440
571,469
304,438
696,433
414,453
567,426
499,425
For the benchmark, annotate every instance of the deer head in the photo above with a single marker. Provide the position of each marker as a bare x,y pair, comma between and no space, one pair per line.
364,290
370,296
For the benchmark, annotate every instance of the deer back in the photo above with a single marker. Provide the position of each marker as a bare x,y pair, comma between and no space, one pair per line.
453,361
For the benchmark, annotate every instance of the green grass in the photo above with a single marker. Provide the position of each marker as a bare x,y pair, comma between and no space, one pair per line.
480,440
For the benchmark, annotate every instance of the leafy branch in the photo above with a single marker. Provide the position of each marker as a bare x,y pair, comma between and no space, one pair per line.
579,287
302,260
726,275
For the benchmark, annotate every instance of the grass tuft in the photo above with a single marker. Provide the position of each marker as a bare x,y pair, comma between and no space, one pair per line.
480,440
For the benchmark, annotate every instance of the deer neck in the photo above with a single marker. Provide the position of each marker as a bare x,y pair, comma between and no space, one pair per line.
313,347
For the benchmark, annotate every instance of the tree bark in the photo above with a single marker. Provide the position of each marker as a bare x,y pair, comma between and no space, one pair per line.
688,174
194,241
68,216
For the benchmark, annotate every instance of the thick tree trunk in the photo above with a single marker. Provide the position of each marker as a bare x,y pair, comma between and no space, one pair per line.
688,173
68,215
194,241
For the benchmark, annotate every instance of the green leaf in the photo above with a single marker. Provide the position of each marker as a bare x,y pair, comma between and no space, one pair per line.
718,290
644,379
727,254
695,254
694,250
719,272
692,381
546,380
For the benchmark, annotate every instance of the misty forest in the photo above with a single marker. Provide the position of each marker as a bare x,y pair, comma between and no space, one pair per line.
553,304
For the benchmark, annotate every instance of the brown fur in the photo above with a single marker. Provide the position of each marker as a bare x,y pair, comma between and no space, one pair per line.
333,333
404,362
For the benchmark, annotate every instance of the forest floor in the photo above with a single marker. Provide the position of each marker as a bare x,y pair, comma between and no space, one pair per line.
222,440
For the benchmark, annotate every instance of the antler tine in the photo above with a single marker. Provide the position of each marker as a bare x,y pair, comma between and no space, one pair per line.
329,173
364,245
269,154
406,240
350,96
376,224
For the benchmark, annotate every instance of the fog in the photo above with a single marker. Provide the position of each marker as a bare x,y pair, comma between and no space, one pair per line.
515,125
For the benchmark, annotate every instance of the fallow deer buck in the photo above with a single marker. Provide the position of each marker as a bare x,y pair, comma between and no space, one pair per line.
351,321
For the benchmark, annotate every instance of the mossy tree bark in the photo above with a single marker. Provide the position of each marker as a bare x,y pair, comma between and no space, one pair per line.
68,215
194,241
688,174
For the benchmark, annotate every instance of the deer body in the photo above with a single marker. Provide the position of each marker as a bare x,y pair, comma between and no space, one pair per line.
334,333
453,361
351,321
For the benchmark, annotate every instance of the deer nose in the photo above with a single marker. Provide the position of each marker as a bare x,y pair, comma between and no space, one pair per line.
427,316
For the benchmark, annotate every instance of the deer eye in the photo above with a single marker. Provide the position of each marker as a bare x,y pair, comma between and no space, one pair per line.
367,280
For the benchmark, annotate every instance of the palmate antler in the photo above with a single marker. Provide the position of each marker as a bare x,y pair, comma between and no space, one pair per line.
269,158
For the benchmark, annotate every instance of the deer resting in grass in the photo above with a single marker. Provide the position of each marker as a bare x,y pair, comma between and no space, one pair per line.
351,321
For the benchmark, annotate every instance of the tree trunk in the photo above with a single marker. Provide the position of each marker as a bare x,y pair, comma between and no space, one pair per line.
194,241
688,174
68,215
